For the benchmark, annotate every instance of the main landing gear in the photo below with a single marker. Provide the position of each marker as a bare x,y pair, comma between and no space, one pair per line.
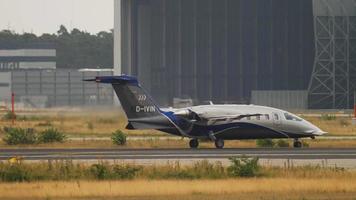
297,143
194,143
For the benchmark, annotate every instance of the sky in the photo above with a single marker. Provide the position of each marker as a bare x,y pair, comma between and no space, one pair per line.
45,16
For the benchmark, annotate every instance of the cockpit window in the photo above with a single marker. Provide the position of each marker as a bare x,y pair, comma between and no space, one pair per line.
292,117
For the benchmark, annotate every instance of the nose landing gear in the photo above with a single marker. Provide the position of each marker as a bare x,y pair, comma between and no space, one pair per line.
297,143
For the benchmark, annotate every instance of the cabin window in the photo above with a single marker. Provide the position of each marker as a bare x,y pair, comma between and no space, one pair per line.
291,117
258,117
276,117
267,116
248,118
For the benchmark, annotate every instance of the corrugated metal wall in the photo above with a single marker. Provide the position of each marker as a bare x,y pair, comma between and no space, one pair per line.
5,87
288,99
62,87
217,50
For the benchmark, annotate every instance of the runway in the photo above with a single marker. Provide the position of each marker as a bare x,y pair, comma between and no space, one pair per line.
177,154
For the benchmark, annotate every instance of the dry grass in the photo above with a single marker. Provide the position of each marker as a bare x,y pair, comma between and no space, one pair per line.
78,123
103,123
337,126
262,188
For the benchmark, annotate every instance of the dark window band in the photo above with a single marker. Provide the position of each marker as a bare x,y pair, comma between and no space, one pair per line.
27,59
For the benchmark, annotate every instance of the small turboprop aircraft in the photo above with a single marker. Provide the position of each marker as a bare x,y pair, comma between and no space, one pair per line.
213,122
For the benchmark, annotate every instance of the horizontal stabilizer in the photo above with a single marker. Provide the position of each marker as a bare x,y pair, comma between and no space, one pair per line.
129,126
114,79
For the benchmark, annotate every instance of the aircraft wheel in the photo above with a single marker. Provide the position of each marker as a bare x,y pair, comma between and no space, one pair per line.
193,143
219,143
297,144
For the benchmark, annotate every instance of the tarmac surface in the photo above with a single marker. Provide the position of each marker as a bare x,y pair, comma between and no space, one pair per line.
133,138
282,157
132,154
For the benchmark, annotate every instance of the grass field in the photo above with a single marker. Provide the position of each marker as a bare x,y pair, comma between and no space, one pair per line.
77,123
270,183
252,188
91,123
334,126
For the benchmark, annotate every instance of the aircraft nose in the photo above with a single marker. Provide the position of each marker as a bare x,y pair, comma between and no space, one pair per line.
314,130
319,132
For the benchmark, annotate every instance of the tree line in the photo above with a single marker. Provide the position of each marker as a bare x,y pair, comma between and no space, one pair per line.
75,48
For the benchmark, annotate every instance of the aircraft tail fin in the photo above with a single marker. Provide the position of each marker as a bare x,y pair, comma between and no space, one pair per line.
141,110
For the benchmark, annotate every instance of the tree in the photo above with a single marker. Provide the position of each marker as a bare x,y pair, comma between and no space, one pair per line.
75,49
62,31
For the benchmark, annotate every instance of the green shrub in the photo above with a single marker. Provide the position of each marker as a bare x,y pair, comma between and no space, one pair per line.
118,137
9,115
126,172
210,170
179,174
51,135
15,136
282,143
100,171
264,143
16,172
90,125
243,166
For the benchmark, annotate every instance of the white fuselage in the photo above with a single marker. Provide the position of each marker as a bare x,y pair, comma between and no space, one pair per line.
278,120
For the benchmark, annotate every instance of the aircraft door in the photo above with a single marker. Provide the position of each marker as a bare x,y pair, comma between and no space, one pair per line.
276,119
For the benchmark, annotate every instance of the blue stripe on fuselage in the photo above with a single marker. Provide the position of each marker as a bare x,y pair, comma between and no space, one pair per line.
196,130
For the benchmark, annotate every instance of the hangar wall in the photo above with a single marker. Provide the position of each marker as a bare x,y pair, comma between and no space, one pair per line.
217,50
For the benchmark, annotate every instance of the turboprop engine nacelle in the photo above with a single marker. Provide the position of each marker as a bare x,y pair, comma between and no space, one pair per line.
183,113
188,114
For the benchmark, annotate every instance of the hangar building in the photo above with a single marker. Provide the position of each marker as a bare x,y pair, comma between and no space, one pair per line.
30,73
223,50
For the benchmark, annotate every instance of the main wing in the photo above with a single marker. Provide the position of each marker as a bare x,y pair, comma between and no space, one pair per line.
211,119
229,118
